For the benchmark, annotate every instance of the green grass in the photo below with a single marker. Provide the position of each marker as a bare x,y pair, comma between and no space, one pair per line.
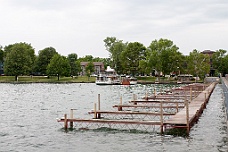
52,79
79,79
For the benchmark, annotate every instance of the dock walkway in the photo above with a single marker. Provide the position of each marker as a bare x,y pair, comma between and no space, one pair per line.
192,111
177,108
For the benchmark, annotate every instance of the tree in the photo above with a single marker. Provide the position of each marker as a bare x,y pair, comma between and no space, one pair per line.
131,56
43,59
1,54
72,58
59,66
198,64
89,69
115,48
217,60
19,59
224,63
163,56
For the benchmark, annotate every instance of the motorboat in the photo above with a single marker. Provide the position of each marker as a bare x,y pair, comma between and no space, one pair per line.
129,80
103,79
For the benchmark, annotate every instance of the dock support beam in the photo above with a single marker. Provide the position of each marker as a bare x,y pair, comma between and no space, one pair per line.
161,117
65,122
71,117
187,116
120,106
99,106
95,111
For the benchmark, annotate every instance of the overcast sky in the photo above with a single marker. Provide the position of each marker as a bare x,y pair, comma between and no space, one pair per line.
80,26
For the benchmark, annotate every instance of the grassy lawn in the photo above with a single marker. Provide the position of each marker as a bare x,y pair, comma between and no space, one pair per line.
79,79
47,80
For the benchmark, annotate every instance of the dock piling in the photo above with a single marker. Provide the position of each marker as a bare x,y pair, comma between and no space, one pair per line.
71,117
99,106
65,121
95,111
161,117
187,115
120,106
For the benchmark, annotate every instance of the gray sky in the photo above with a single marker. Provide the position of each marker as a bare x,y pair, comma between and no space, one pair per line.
80,26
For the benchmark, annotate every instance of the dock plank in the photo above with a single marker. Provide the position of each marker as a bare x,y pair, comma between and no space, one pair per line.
194,106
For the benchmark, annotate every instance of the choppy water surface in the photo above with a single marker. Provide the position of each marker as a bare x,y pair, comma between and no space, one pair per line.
28,115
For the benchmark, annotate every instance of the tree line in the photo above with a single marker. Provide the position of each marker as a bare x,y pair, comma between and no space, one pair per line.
133,58
20,59
162,57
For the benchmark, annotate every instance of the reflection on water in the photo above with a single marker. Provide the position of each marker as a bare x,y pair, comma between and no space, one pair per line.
28,123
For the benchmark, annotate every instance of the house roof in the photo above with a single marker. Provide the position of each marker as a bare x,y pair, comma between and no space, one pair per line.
208,52
95,63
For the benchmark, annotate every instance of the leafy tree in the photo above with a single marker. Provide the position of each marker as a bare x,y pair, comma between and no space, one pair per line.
59,66
224,67
144,68
43,59
217,60
72,58
163,56
115,48
131,56
198,63
19,59
89,69
1,54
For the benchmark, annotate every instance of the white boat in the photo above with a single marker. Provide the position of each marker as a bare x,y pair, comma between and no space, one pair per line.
133,81
107,80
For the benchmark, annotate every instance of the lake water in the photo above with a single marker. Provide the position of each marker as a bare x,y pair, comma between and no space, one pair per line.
28,115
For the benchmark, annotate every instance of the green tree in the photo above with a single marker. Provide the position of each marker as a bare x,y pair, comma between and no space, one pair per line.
217,60
89,69
115,47
59,65
43,59
163,56
224,67
1,54
19,59
131,56
198,64
72,58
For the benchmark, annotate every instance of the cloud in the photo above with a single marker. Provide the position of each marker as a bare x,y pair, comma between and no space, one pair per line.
80,26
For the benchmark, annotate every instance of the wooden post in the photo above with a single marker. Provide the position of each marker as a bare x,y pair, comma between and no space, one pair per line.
177,107
146,96
120,106
187,115
161,116
190,94
65,121
99,106
154,92
95,111
71,117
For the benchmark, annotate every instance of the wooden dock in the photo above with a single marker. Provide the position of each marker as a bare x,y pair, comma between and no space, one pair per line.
177,108
190,114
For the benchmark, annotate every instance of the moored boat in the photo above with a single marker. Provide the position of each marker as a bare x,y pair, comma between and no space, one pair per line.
127,80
